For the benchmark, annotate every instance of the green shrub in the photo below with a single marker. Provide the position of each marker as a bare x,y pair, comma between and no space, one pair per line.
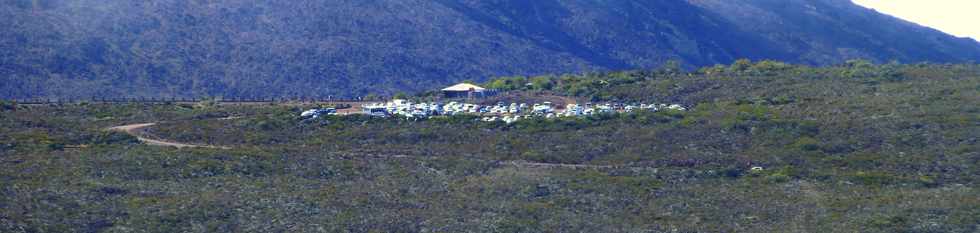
114,137
7,105
928,181
732,172
778,178
542,82
807,144
56,146
888,222
862,160
874,178
783,174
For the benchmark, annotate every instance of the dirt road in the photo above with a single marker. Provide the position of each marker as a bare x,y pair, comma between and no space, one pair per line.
136,130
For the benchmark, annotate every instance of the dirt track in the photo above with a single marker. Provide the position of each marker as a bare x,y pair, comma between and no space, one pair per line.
136,130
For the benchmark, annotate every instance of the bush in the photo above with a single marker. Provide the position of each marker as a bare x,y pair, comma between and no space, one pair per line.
114,137
874,178
7,105
807,144
783,174
778,178
206,104
542,82
928,181
732,172
56,146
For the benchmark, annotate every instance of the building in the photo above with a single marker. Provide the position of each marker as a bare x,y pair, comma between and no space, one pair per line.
464,90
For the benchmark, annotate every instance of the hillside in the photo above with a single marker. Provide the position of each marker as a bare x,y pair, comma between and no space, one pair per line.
251,48
765,147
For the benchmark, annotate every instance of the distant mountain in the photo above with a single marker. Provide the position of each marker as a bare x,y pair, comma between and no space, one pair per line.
107,48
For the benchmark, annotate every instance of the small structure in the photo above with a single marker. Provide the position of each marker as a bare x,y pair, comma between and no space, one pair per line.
464,90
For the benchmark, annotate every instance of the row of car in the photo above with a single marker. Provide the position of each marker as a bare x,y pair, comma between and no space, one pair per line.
508,112
504,111
575,110
318,112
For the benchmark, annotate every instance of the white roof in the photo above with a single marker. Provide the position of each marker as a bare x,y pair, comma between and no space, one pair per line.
464,87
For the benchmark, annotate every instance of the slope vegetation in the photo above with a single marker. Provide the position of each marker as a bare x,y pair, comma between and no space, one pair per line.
766,147
252,48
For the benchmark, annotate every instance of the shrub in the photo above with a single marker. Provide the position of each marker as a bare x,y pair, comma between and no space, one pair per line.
542,83
783,174
732,172
778,178
206,103
874,178
807,144
114,137
928,181
56,146
7,105
888,222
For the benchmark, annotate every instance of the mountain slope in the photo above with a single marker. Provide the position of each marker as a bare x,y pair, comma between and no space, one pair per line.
244,48
829,31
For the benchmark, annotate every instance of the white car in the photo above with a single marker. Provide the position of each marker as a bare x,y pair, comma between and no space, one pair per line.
629,108
309,113
315,113
542,109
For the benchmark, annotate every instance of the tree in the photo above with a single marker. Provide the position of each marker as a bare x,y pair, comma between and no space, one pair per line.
499,83
542,83
741,65
769,67
859,69
507,83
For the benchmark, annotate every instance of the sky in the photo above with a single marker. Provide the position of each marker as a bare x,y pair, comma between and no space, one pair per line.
957,17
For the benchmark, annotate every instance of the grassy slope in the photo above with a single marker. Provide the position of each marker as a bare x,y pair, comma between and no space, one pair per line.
870,149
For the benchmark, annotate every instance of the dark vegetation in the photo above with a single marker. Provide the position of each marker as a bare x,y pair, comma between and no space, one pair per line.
858,147
256,48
